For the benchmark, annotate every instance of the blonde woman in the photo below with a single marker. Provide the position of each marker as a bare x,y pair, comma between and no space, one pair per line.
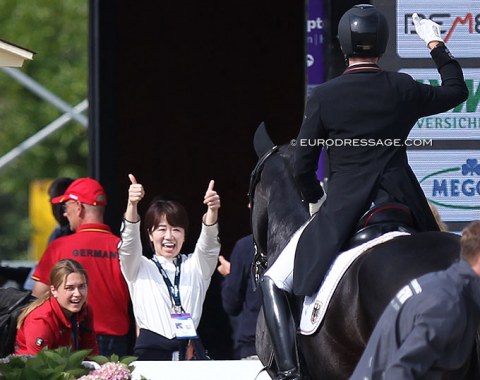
61,317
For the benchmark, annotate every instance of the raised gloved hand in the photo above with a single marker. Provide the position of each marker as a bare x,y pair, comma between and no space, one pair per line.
314,207
426,29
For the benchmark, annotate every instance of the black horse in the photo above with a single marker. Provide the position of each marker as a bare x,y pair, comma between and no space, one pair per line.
364,291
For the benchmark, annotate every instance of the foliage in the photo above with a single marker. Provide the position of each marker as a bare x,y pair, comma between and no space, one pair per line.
57,364
57,31
63,364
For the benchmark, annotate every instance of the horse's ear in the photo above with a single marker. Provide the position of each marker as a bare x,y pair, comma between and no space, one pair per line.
261,140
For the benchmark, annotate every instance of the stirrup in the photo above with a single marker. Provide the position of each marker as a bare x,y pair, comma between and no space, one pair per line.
291,374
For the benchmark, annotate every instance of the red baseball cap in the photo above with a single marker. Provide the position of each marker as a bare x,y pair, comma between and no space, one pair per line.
84,190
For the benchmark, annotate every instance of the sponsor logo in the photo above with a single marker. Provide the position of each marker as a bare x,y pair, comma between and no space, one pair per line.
310,60
314,24
448,23
456,187
471,104
461,122
459,23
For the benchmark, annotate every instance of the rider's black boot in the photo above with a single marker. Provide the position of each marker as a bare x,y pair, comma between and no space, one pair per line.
279,321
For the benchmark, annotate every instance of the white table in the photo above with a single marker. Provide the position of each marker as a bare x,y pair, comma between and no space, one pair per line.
200,370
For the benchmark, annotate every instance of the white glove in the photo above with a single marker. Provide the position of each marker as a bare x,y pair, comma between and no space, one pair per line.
426,29
314,207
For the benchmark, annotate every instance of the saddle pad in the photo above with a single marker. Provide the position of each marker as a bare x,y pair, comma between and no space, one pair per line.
314,307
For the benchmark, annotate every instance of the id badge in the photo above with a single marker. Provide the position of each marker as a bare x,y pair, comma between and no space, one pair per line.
184,327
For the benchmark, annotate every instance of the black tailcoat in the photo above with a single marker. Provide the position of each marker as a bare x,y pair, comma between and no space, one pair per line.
364,116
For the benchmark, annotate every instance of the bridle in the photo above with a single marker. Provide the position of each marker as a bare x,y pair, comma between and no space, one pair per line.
259,264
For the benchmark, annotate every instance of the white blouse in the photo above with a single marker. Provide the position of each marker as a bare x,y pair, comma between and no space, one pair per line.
152,304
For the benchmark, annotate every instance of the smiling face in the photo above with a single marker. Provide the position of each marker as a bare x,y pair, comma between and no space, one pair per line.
167,239
72,293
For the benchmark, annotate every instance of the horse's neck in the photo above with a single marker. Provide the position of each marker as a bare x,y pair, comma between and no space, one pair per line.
282,226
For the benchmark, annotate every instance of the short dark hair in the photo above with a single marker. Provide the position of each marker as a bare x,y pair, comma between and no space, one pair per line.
57,188
470,242
174,212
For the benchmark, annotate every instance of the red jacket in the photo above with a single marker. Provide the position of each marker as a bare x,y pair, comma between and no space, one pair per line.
96,248
48,326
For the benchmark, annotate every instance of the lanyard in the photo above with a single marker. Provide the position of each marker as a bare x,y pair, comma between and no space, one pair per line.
173,290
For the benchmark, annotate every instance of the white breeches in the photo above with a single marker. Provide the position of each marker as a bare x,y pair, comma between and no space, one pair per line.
281,272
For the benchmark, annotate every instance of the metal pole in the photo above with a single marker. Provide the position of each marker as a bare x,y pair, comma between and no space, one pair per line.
41,91
43,133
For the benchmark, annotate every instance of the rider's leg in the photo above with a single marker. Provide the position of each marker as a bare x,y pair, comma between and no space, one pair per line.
276,284
281,327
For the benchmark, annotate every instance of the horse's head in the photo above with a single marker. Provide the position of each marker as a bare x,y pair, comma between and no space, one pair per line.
276,207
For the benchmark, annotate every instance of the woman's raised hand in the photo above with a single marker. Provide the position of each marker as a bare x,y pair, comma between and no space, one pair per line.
135,195
212,200
135,191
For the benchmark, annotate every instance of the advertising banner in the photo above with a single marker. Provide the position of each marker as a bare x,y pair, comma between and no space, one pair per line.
459,24
461,122
450,177
315,44
450,180
315,59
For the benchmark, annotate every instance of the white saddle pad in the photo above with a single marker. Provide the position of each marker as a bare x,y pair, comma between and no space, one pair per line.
315,307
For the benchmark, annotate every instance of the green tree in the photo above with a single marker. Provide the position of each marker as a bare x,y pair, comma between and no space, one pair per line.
57,31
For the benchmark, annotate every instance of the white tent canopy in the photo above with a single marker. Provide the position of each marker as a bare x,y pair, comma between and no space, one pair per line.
12,55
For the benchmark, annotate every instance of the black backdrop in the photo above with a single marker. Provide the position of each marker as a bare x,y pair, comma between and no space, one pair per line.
177,90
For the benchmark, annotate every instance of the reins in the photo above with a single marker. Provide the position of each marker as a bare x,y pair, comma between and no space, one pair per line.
259,263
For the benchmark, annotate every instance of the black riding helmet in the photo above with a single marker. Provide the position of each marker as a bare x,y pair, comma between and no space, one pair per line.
363,32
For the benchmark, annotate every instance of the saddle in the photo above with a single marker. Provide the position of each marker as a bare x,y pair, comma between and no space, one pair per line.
315,307
380,219
378,225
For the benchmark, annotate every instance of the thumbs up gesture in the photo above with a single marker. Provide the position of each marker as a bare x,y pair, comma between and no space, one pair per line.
135,191
135,195
212,200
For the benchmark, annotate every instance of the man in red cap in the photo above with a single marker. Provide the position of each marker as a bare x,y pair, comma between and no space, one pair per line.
95,247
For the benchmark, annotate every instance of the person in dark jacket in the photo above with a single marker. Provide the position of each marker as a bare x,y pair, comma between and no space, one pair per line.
365,105
57,188
429,328
367,113
239,298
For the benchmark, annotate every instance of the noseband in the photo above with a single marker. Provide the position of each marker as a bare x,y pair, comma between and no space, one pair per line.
259,263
